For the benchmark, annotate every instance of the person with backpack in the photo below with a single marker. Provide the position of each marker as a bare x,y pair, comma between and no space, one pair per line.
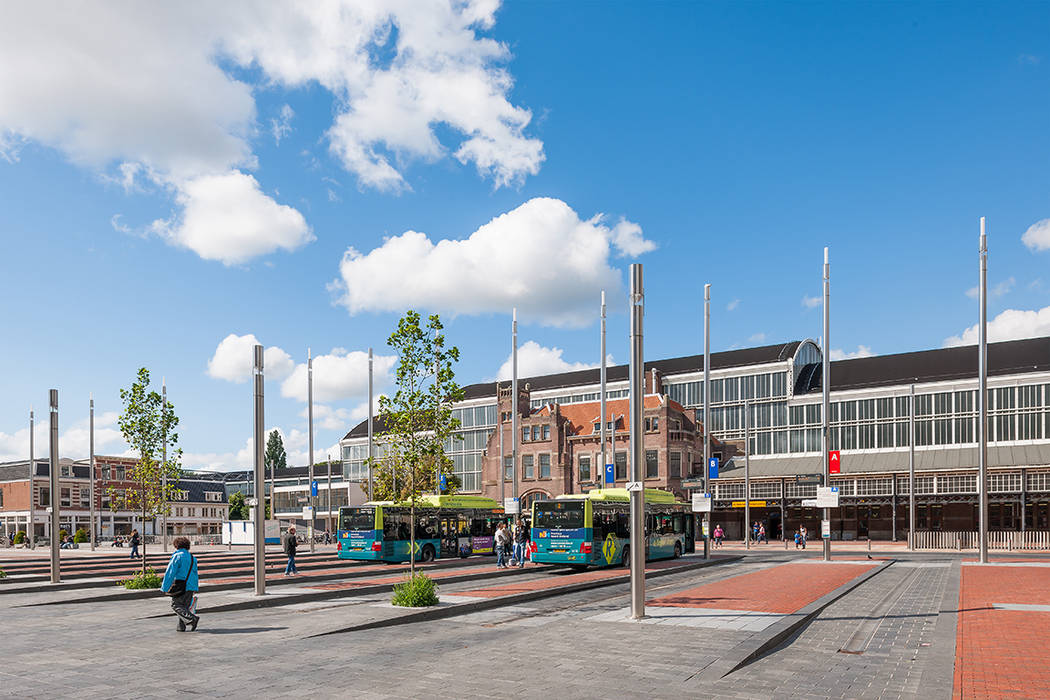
521,543
135,541
290,545
181,584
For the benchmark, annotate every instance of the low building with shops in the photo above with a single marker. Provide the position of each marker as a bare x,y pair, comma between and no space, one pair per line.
780,385
291,487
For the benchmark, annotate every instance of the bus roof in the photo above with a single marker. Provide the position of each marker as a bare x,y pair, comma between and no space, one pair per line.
621,495
443,501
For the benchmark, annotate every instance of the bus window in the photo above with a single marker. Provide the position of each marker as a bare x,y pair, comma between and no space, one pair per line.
392,524
555,515
665,524
679,523
357,519
481,527
600,525
426,527
623,525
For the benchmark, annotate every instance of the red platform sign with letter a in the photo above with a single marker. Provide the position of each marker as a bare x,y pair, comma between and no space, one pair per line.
834,463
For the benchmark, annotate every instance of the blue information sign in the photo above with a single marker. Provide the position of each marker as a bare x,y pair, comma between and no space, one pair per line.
313,489
609,475
712,468
443,482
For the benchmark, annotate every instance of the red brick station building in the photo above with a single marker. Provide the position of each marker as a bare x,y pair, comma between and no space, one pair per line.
870,414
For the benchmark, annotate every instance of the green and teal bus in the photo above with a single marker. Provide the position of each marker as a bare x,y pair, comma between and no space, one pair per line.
446,526
594,529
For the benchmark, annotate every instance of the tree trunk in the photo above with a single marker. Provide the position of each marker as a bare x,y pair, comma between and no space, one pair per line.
412,525
143,537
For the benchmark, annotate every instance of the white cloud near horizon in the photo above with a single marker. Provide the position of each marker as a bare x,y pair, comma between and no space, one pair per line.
1037,237
811,302
535,360
339,375
73,443
234,360
540,257
148,92
861,351
732,306
1011,324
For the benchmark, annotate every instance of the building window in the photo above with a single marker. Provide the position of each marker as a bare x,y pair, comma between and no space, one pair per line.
652,469
213,496
585,468
545,465
535,432
508,468
652,424
597,426
525,434
64,498
105,472
621,466
675,464
546,432
85,498
526,467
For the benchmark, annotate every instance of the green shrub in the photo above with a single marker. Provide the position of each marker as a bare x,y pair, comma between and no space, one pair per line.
3,574
81,535
150,579
20,537
416,592
62,535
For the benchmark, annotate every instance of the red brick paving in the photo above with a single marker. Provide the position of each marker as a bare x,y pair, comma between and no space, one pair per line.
780,589
557,580
1002,653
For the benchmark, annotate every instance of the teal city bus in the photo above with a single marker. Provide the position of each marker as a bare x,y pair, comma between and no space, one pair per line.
446,526
593,529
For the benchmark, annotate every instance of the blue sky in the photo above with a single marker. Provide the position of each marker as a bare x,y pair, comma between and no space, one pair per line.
185,175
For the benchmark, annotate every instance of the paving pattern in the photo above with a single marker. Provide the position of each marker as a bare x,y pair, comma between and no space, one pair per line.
1004,625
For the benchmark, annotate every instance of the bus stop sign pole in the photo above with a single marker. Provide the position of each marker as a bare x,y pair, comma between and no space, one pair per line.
637,408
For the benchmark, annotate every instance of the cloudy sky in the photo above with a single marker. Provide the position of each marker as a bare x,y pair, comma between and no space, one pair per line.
179,182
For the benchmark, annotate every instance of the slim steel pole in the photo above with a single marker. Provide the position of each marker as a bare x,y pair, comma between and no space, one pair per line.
371,452
260,488
747,475
91,463
32,486
328,499
603,419
56,572
502,459
826,389
911,468
982,402
310,422
164,465
707,438
514,402
437,463
637,404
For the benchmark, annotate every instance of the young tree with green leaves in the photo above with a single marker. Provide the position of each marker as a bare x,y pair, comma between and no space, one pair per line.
145,422
418,417
238,508
274,458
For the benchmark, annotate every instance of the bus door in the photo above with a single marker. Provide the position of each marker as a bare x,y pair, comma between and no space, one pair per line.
449,524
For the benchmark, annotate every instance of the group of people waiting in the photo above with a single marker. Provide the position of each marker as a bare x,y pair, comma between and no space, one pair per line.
511,547
757,533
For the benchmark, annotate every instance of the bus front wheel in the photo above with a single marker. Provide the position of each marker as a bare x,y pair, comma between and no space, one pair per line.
677,550
626,557
427,554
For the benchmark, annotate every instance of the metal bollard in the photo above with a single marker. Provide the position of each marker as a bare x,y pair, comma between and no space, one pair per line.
785,544
869,544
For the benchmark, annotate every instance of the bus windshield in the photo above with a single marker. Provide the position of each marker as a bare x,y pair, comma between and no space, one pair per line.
559,515
357,519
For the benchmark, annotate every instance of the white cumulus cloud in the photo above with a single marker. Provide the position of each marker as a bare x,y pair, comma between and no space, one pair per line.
227,218
339,375
535,360
541,258
1012,324
811,302
147,93
1037,237
861,351
74,442
234,360
999,290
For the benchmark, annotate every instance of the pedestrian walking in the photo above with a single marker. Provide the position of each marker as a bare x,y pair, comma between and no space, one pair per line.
290,545
798,539
502,545
521,543
135,541
719,534
762,533
327,537
180,582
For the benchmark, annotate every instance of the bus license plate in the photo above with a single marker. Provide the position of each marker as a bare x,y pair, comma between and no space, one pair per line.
560,551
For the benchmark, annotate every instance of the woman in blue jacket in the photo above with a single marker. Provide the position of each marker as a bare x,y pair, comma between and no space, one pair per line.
180,582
